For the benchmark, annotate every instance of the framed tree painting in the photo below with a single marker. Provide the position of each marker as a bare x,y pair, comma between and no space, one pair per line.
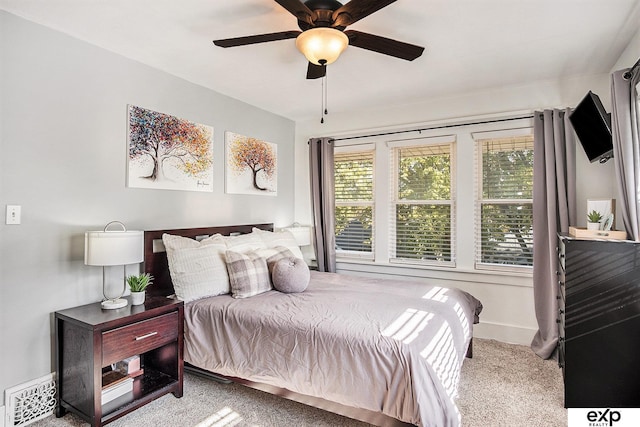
166,152
252,166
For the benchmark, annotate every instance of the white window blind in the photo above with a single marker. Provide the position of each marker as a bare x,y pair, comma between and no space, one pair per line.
504,205
354,189
421,220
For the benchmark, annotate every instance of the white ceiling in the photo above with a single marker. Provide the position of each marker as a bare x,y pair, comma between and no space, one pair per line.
471,45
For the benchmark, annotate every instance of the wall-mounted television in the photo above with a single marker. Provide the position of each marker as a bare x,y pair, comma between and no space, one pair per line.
593,127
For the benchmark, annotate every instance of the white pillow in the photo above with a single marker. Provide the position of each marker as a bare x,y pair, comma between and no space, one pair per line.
198,269
244,242
279,238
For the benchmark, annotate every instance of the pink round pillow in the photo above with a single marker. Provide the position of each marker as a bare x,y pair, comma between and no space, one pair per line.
290,275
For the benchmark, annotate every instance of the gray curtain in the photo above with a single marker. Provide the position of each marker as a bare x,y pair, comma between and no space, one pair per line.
554,209
323,202
626,148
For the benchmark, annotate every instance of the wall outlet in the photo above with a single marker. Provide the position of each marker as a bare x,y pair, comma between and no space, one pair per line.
13,214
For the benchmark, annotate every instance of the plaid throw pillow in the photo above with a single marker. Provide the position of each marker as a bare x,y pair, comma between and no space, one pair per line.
248,274
273,255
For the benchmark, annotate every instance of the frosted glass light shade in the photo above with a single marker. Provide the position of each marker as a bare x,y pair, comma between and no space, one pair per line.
105,248
322,45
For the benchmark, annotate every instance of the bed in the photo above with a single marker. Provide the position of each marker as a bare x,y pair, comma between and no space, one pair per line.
385,352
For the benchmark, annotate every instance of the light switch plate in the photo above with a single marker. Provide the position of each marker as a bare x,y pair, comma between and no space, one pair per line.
13,214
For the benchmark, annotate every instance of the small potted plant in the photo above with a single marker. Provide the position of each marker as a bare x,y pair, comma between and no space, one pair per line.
138,285
593,220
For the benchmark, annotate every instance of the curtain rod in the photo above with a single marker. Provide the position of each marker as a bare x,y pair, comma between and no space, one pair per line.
435,127
629,73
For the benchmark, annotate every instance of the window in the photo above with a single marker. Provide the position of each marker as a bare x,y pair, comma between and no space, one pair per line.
422,202
354,226
504,204
442,201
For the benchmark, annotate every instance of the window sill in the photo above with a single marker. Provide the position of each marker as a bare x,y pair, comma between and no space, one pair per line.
508,278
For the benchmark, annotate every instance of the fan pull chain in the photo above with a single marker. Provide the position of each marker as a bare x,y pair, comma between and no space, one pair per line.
324,97
322,101
326,93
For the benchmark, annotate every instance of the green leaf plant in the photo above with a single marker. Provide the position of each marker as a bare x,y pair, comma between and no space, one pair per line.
594,216
139,283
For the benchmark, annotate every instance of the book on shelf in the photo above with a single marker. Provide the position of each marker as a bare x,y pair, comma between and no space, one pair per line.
112,378
129,366
114,385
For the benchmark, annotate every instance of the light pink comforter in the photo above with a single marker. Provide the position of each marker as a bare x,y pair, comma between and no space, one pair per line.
387,346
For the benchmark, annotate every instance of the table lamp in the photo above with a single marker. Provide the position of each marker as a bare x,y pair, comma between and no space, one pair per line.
113,247
301,234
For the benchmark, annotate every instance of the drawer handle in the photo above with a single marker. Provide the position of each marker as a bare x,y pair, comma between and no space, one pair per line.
150,334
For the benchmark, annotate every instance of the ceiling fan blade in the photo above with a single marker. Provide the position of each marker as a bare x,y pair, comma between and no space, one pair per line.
259,38
384,45
355,10
298,9
316,71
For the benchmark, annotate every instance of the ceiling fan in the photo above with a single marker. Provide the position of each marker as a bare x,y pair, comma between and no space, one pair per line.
323,36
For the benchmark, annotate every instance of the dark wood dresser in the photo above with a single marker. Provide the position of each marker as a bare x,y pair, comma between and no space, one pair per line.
89,338
599,322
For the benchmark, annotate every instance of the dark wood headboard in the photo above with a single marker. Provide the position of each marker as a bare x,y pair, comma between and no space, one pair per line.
155,257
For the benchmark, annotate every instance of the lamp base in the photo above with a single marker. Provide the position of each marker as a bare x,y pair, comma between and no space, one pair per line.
112,304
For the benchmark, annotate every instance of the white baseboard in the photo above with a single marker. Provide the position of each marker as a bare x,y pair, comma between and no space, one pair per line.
511,334
2,416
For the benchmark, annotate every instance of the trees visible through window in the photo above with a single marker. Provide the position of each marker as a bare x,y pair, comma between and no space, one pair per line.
504,216
354,202
422,207
459,197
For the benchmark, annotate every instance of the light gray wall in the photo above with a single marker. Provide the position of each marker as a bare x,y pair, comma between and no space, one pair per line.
62,158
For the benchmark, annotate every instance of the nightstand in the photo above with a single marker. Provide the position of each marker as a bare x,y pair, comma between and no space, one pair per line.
313,264
89,338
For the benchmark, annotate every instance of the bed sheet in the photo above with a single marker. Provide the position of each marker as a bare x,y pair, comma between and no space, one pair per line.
388,346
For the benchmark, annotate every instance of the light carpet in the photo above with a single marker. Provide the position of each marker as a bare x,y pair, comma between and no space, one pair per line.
503,385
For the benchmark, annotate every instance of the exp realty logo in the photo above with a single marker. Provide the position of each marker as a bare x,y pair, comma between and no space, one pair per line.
604,417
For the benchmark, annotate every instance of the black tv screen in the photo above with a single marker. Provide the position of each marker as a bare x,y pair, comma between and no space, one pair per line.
593,127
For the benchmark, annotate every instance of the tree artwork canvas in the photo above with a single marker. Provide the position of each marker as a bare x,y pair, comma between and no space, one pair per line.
251,165
166,152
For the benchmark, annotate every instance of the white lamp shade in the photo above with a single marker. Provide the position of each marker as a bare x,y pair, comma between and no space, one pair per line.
322,44
106,248
301,234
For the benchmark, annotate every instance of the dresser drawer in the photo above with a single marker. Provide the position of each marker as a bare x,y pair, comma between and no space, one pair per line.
138,338
562,251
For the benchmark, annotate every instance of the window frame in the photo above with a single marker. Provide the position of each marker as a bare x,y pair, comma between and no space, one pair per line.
463,176
478,139
393,148
342,254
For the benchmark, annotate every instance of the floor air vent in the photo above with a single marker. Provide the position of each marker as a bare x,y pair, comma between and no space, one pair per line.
30,401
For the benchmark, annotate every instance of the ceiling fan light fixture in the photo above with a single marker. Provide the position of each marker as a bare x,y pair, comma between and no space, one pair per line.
322,46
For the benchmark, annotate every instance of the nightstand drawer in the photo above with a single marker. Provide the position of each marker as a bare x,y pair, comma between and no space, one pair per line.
138,338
